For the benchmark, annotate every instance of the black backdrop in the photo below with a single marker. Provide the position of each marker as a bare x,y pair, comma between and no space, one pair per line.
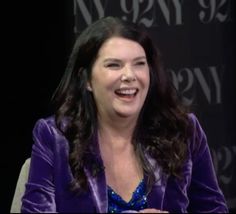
196,38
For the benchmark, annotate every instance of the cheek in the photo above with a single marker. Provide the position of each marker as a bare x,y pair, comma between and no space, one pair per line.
101,84
105,80
144,78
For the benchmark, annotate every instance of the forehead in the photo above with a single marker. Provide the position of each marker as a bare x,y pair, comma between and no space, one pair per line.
118,47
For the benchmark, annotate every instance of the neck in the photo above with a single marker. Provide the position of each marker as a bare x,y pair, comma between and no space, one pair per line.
116,134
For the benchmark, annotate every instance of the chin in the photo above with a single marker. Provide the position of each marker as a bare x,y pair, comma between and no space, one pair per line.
126,114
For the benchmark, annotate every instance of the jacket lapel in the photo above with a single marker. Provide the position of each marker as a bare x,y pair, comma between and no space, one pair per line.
97,186
155,197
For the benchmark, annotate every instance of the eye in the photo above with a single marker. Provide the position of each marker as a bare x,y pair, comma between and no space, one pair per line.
140,63
113,65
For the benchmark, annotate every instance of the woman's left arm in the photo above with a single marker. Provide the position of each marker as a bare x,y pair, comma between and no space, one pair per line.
204,192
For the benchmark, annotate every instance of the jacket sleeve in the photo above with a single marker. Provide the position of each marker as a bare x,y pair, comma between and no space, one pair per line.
204,192
40,191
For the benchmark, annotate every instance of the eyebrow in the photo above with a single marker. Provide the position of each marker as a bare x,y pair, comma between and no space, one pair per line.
119,60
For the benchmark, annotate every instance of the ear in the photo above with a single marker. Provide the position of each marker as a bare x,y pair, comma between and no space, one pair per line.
89,87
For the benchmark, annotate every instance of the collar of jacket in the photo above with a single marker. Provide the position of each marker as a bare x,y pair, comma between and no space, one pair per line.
98,187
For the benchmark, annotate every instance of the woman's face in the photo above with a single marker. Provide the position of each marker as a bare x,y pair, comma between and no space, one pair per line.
120,78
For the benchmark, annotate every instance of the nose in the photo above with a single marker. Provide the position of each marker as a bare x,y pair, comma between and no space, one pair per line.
128,75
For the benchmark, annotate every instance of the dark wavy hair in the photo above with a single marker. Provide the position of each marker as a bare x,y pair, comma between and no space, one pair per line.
161,129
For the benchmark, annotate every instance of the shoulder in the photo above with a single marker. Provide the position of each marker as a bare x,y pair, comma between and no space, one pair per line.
49,141
44,126
195,124
46,134
195,129
49,124
197,140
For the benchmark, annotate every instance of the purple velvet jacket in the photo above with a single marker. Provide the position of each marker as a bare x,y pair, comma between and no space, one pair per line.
47,189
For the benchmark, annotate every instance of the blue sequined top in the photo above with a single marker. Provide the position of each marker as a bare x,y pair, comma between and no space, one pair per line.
138,201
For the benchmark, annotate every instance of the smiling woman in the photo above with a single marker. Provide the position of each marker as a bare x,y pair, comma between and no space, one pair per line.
120,139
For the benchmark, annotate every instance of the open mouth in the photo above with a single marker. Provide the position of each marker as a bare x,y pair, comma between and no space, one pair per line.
127,92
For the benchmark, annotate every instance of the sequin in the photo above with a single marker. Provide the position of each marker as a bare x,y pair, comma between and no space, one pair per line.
138,201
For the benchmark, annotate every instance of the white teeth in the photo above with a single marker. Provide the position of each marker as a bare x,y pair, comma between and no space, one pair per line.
127,91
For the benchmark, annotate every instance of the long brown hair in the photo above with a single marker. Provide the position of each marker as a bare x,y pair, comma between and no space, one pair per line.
161,130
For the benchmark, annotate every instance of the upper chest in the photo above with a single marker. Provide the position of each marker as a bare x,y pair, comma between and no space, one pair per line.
123,174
